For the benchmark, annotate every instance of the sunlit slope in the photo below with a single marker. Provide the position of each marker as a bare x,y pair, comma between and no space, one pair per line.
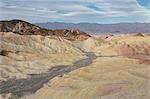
22,55
121,71
106,77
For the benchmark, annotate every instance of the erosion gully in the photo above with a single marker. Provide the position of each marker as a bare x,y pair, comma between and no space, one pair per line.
21,87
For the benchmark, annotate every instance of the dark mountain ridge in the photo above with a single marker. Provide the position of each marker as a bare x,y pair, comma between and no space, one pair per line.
25,28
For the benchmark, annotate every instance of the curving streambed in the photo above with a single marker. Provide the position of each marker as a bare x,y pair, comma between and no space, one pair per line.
21,87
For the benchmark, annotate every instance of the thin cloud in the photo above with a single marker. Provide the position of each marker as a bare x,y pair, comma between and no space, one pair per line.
73,10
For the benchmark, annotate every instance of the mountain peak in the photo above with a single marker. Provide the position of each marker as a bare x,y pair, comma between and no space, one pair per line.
25,28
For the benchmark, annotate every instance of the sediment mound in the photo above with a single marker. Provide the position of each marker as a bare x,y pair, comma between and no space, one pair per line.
21,55
89,44
117,73
131,46
120,69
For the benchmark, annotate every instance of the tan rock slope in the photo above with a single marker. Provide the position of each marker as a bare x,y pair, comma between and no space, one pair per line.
47,66
21,55
121,71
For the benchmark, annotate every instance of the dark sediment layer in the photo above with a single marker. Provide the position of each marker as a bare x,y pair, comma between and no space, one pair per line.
21,87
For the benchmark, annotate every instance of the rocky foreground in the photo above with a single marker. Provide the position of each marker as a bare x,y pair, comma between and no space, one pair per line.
52,67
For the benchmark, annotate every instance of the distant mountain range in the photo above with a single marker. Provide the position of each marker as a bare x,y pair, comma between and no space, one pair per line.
94,28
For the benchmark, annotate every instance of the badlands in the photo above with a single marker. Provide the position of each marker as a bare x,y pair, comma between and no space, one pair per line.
72,65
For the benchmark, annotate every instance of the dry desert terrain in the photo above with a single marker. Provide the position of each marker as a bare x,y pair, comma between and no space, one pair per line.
45,67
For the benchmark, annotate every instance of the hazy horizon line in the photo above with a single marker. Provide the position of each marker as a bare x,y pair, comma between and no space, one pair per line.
76,22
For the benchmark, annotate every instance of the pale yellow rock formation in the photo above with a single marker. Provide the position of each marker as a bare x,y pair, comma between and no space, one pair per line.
22,54
116,77
113,75
120,71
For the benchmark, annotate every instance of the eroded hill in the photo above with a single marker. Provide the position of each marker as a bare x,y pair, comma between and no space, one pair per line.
25,28
120,71
46,66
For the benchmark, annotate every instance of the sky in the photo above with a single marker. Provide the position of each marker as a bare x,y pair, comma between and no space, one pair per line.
76,11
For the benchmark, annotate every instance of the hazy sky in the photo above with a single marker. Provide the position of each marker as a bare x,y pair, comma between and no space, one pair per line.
95,11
